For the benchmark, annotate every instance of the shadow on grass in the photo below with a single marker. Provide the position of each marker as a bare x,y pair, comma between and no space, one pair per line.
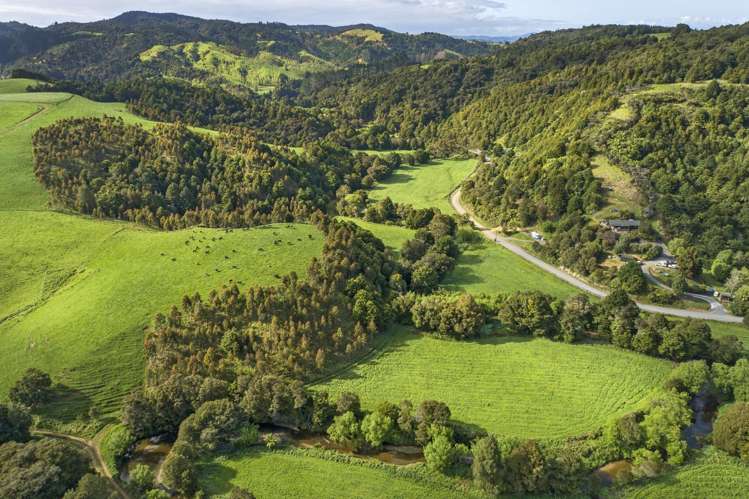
464,273
66,404
216,478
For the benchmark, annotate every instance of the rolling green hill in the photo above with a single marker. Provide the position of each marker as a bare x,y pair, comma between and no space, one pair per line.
259,72
76,292
508,386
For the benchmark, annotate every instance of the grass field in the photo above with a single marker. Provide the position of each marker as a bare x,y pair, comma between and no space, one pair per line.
714,475
490,268
308,473
483,268
260,72
76,293
425,186
516,387
15,85
392,235
727,329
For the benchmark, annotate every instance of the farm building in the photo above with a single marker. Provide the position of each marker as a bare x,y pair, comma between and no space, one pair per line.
622,225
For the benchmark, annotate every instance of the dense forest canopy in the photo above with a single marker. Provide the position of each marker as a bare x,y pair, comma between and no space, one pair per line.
174,177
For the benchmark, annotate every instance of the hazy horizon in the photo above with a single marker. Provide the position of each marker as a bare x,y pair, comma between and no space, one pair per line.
452,17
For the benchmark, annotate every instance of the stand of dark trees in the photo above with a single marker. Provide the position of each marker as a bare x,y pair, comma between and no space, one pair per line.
173,177
227,340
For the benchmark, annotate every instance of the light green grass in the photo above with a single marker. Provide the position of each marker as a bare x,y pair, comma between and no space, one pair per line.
76,293
482,268
261,71
20,189
621,192
392,235
368,35
15,113
519,387
15,85
714,475
295,474
727,329
425,186
490,268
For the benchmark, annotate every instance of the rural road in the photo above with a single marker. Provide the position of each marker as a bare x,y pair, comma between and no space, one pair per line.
715,314
93,450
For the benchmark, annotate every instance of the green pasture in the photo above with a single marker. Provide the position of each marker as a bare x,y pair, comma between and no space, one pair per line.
310,473
76,293
425,186
490,268
714,475
511,386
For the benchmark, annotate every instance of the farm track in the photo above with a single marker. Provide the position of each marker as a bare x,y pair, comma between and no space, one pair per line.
715,314
93,449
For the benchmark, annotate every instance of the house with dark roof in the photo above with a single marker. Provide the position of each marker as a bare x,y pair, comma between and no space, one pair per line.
622,225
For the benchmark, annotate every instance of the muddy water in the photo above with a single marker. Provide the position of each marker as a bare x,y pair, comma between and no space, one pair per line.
400,456
150,452
614,472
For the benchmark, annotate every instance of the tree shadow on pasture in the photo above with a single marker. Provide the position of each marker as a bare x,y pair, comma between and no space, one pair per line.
216,477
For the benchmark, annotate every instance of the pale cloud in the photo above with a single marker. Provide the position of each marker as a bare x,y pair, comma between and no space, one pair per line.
457,17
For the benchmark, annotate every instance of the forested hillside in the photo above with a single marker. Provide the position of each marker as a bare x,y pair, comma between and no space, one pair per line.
173,177
255,56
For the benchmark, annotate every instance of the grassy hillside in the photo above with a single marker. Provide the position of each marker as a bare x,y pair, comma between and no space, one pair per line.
509,386
76,293
259,72
297,473
714,475
21,114
425,186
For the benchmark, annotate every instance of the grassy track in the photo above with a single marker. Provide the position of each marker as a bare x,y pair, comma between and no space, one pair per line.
509,386
305,474
425,186
76,293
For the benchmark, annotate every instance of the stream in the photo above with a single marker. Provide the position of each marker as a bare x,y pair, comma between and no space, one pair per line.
153,451
703,407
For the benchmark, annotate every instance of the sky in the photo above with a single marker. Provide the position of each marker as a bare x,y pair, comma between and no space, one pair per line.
453,17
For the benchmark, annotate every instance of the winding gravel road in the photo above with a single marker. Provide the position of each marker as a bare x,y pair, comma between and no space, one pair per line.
715,314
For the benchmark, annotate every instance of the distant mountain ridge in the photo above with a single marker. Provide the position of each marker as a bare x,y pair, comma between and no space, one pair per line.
111,49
